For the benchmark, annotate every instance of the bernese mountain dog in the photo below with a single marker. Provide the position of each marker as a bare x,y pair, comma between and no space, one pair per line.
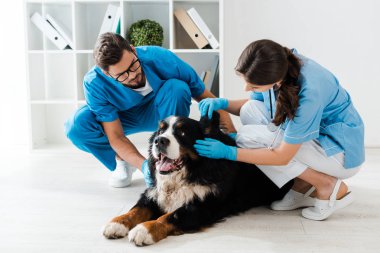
191,192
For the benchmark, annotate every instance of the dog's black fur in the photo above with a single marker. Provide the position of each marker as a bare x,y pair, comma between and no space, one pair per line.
236,186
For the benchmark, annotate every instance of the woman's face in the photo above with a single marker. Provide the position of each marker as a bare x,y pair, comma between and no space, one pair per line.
258,88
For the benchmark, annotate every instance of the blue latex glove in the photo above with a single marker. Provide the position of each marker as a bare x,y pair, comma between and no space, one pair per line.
146,172
232,135
215,149
208,105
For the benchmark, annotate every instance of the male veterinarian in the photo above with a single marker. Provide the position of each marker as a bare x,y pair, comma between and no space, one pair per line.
128,91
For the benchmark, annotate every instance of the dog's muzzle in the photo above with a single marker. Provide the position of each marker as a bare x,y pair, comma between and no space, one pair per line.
161,142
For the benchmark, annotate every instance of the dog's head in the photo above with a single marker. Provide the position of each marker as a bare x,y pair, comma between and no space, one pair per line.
172,145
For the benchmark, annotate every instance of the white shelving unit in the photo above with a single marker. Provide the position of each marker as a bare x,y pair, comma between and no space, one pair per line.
55,76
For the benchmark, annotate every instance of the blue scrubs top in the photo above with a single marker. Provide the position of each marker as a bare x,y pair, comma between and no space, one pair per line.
325,113
106,97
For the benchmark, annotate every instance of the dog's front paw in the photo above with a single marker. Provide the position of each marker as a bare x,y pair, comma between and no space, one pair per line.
114,230
140,236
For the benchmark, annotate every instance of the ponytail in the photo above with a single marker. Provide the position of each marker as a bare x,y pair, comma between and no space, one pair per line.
288,100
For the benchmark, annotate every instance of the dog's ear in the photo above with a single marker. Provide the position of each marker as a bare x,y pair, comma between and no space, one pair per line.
210,126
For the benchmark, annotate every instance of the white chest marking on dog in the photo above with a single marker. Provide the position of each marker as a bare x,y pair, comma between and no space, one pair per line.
172,191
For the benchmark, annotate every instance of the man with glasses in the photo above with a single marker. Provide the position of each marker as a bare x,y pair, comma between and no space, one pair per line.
128,91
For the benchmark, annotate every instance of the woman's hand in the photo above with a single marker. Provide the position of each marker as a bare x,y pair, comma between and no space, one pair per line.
208,105
215,149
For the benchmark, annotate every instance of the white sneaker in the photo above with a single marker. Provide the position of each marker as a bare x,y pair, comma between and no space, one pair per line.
293,200
324,208
121,176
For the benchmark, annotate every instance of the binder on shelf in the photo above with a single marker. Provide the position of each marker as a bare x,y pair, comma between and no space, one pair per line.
214,76
49,31
60,29
111,20
199,22
202,75
190,27
206,79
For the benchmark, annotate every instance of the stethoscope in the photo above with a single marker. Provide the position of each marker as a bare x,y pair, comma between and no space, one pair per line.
272,127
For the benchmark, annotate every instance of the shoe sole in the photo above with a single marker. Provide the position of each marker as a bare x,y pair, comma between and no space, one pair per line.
119,183
290,208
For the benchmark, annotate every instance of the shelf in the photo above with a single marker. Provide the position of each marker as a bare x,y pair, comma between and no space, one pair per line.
154,10
43,102
55,77
49,76
199,62
34,35
51,51
62,14
57,51
48,124
196,1
59,73
36,78
196,51
84,62
180,38
89,16
89,51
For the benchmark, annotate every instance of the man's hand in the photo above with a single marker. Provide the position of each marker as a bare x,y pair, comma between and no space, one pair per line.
146,172
123,147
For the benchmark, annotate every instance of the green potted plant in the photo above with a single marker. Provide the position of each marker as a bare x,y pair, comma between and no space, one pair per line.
145,32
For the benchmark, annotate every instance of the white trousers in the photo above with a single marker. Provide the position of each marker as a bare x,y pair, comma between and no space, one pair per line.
255,133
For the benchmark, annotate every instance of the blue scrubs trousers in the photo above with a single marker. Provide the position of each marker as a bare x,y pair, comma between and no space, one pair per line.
85,132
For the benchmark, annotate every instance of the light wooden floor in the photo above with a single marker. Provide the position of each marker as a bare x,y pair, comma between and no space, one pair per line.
59,203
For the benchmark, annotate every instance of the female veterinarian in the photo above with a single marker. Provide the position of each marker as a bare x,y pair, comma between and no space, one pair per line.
299,124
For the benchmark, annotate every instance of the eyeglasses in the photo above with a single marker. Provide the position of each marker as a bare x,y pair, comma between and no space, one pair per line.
135,65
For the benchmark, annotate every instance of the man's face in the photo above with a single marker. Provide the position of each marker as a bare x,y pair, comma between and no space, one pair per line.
128,71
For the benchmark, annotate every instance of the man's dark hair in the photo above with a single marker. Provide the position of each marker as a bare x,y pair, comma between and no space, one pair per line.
109,49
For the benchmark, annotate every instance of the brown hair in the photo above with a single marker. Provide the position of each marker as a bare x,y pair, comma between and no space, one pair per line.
266,62
109,49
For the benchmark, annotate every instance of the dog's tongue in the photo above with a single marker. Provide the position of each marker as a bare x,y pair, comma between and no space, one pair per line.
167,164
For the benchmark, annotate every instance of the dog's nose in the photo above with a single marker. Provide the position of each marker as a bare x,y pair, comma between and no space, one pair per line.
161,141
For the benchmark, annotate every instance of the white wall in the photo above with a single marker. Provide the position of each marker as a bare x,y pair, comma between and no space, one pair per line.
13,105
342,35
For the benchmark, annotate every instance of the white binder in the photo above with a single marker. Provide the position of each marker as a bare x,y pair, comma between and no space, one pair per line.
194,15
49,31
60,29
111,19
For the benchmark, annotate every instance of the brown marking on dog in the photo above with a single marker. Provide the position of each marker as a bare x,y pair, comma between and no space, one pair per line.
207,130
190,153
135,216
161,228
178,124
